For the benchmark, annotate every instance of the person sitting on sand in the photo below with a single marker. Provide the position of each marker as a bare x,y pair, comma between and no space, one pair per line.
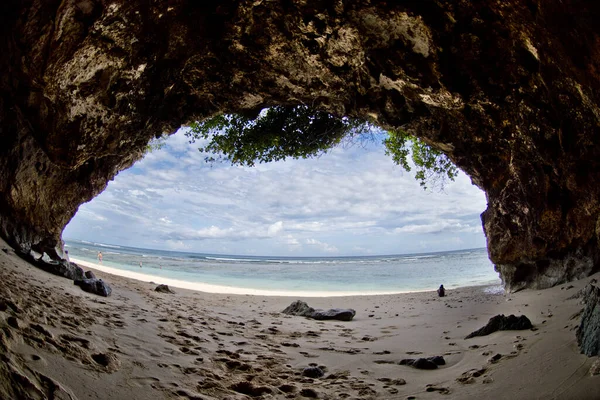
441,291
100,257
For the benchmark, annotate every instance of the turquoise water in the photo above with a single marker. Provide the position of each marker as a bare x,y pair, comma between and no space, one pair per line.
366,274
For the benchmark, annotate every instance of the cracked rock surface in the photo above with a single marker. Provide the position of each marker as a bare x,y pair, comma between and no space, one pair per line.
509,90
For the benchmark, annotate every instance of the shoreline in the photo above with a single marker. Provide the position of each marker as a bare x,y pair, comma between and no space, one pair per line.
222,289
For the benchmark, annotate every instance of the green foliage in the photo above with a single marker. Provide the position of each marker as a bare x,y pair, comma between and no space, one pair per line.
277,133
301,132
156,144
433,167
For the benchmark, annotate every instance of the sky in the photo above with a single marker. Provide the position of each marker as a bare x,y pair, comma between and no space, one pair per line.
352,200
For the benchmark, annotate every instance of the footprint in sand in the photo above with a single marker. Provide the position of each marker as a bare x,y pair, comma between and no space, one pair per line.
75,339
469,376
188,351
144,380
383,352
109,361
440,389
308,355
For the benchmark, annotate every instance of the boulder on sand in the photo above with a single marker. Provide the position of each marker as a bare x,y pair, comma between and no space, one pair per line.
95,286
502,323
341,314
90,275
424,363
313,372
164,289
62,268
588,332
302,309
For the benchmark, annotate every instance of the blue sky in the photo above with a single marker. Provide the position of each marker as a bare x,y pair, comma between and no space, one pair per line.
350,201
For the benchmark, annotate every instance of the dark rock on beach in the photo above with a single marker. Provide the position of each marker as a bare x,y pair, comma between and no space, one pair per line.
299,308
438,360
95,286
588,332
68,270
424,363
62,268
313,372
502,323
302,309
90,275
341,314
163,289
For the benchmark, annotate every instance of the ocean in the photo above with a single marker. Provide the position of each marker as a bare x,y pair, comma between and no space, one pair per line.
326,275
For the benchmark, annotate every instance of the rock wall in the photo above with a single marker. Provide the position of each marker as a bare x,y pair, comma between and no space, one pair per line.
508,89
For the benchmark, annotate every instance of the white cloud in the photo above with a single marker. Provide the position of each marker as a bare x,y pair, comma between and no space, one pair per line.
275,229
137,193
439,226
353,200
323,246
292,242
92,215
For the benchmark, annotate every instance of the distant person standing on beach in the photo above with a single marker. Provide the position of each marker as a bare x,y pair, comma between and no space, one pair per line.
67,256
441,291
100,257
140,264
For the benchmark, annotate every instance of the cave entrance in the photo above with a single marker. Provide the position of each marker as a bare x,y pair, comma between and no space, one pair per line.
351,204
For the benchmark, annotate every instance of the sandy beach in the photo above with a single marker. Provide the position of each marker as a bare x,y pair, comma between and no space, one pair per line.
59,342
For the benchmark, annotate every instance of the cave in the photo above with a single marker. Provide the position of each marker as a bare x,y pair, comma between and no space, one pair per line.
508,90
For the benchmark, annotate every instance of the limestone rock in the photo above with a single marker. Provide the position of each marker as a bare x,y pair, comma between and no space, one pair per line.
95,286
299,308
502,323
163,289
509,91
588,332
341,314
584,293
62,268
302,309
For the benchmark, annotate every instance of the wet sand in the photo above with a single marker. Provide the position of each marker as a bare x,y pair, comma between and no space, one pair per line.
57,340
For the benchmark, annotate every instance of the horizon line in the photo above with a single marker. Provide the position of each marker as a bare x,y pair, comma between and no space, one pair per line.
265,255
